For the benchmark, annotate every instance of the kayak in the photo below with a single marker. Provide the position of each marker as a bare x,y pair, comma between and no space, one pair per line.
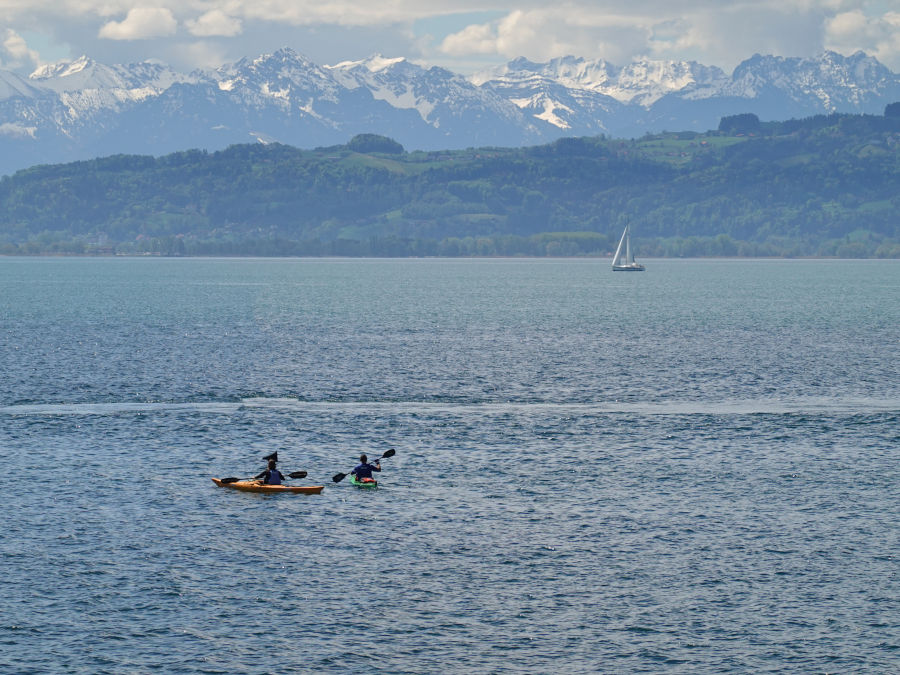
256,486
360,484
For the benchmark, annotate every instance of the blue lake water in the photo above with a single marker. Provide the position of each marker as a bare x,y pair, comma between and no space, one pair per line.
693,469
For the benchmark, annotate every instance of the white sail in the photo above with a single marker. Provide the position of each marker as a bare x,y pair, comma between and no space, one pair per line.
623,261
617,258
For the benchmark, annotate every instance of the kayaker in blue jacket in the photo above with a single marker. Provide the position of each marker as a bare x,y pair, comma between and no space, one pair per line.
364,470
271,476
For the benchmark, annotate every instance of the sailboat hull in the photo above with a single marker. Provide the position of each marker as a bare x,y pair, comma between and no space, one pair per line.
633,267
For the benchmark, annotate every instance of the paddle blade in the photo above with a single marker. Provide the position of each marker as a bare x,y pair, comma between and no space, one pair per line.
338,477
389,453
297,474
230,479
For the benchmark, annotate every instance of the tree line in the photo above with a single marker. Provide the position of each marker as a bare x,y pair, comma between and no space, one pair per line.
827,185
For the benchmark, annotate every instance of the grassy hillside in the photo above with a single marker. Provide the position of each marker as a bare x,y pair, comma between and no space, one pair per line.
828,185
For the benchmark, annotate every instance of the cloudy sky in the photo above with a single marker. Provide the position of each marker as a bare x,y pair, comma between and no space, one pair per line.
462,35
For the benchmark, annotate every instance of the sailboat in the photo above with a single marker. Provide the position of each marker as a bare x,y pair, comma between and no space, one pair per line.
623,261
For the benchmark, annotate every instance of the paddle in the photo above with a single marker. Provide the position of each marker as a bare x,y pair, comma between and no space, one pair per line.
295,474
338,477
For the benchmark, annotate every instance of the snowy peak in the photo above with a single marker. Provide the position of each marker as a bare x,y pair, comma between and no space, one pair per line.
580,73
284,76
582,96
831,80
373,64
570,71
394,81
62,69
84,73
284,62
830,68
643,82
435,93
375,70
79,108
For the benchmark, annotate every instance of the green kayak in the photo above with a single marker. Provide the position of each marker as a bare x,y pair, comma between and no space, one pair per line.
361,484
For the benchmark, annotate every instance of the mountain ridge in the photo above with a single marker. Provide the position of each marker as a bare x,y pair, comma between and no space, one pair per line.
79,109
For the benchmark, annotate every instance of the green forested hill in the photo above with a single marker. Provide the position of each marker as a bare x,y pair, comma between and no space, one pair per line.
828,185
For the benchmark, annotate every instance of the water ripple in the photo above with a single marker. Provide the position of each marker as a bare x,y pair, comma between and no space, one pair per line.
691,471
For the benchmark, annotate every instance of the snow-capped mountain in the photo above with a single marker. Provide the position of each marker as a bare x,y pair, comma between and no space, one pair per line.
284,78
641,82
568,93
81,109
85,73
830,83
450,106
656,95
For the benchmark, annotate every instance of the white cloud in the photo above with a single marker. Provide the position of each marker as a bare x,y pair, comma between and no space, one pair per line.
543,34
675,36
141,23
215,23
474,39
15,53
351,12
853,31
715,32
848,25
17,130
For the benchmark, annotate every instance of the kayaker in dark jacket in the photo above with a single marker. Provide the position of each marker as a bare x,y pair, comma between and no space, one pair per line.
271,476
364,470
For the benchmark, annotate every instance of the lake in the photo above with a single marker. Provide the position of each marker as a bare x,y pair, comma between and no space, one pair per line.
692,469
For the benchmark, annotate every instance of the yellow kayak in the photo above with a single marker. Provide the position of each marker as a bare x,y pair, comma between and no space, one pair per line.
256,486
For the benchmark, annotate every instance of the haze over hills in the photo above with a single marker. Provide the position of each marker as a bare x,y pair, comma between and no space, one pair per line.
83,109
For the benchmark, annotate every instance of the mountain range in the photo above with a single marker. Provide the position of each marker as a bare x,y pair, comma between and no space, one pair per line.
82,109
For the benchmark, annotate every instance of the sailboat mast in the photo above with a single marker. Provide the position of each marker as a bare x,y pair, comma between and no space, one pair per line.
628,255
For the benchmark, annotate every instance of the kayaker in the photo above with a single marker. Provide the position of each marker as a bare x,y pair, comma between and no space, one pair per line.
271,476
363,470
